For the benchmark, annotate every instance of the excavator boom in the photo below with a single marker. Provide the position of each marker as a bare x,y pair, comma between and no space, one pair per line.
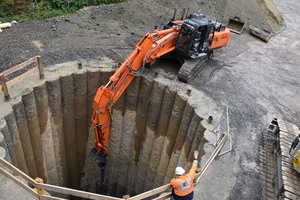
151,47
188,37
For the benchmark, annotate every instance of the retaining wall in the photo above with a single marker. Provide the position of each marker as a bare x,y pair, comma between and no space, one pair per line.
47,132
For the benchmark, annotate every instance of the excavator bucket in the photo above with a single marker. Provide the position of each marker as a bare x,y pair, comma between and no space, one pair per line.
236,25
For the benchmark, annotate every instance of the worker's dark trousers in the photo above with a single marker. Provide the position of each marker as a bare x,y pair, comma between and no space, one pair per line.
172,198
187,197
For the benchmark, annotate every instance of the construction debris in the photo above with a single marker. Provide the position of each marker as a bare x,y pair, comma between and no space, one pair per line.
6,25
236,24
261,34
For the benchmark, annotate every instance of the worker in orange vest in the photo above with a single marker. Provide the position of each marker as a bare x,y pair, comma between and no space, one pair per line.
183,183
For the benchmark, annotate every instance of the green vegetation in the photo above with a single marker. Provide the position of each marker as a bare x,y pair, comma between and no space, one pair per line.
42,9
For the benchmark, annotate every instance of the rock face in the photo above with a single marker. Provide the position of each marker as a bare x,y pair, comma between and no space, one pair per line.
47,131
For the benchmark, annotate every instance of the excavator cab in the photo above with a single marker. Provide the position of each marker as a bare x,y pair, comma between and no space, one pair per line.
197,35
194,39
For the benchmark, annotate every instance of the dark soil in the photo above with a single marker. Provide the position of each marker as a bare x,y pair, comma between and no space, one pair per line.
107,30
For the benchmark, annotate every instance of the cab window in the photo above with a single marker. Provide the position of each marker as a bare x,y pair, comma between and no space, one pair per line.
185,36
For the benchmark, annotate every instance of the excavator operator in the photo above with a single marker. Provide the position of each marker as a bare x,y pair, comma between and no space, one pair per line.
183,183
196,43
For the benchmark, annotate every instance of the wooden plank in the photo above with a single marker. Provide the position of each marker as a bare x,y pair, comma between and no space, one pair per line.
165,196
288,137
53,188
212,157
295,129
152,192
283,130
291,171
287,183
20,183
291,176
290,195
40,67
4,86
19,172
74,192
286,125
289,129
281,124
20,66
287,140
290,182
292,190
18,78
46,197
288,159
288,167
284,143
197,176
285,153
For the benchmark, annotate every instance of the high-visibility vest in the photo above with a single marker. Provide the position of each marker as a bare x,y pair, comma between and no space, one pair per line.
183,185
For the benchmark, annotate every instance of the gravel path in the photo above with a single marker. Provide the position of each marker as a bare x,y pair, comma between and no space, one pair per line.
258,81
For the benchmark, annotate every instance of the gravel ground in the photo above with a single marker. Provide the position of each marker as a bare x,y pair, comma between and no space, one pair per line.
257,81
95,31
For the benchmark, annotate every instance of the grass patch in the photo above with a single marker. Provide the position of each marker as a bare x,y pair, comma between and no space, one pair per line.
43,9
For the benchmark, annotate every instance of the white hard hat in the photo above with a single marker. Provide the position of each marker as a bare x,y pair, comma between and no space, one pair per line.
179,171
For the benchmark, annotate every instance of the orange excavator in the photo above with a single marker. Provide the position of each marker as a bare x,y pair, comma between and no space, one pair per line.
188,38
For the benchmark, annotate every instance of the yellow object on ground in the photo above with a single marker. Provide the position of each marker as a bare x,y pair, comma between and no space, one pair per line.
5,25
296,163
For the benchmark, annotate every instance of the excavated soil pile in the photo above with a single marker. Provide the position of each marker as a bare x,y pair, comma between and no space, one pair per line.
48,133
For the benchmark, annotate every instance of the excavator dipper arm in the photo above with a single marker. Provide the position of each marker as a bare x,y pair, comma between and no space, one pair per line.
151,47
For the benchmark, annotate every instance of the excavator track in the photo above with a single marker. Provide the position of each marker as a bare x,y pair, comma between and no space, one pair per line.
191,67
